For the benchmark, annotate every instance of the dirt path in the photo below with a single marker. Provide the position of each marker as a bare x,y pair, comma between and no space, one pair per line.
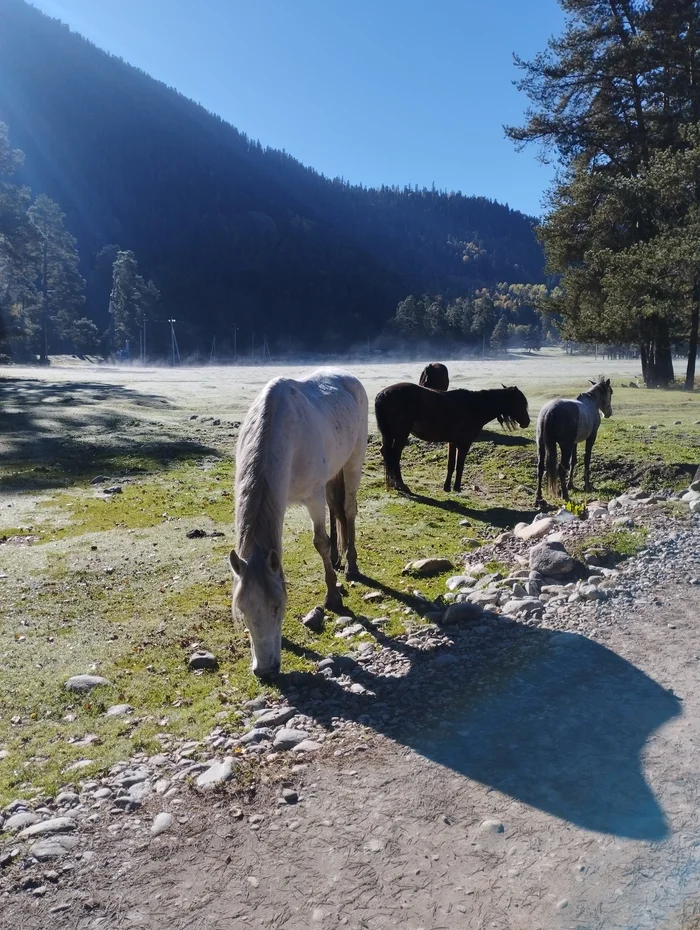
560,791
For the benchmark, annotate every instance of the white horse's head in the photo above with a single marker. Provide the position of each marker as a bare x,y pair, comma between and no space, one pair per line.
259,602
603,393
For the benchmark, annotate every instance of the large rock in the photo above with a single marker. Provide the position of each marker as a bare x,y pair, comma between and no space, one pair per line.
550,558
423,568
53,848
275,717
462,612
314,620
20,821
288,739
483,598
202,659
536,530
47,827
527,606
85,682
216,774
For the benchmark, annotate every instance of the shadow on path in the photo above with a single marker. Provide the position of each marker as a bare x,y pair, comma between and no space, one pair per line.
554,720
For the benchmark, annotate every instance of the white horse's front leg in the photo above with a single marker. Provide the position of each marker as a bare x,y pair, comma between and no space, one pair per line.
317,512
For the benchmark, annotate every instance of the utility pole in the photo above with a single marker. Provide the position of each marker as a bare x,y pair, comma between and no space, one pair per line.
211,354
235,345
252,347
173,341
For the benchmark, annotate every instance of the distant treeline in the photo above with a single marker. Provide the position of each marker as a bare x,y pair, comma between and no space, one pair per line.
241,241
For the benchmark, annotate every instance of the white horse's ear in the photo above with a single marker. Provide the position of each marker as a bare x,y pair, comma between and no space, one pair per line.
273,561
237,563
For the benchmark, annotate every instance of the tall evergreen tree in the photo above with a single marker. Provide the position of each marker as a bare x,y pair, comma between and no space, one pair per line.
60,284
619,86
132,301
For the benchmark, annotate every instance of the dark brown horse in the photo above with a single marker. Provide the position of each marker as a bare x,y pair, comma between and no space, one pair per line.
456,417
435,376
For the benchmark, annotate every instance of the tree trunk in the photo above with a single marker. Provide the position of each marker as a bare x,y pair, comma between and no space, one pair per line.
693,348
664,358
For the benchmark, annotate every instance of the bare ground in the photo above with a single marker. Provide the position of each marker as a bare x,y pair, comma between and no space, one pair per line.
563,793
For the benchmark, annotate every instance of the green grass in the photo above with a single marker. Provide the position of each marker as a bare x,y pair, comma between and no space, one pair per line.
114,583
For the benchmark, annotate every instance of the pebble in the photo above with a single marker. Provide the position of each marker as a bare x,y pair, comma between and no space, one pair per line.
290,796
307,745
424,568
550,558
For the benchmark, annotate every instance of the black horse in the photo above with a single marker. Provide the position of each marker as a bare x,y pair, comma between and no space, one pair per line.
456,417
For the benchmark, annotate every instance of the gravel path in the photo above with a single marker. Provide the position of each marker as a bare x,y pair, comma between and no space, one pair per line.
497,774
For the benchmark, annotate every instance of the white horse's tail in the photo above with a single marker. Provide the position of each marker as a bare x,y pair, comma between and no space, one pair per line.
335,496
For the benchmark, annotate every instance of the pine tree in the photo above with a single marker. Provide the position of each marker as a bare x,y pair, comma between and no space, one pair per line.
60,284
618,87
131,303
18,254
499,336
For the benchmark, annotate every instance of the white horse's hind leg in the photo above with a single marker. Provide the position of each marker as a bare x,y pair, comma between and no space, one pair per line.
317,511
352,473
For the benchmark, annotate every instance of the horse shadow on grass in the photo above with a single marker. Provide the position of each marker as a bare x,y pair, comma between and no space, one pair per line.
55,434
494,516
554,720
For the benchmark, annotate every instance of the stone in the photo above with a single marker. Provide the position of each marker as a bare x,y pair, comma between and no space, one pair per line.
216,774
565,516
591,592
536,530
290,796
314,620
162,822
349,631
459,581
492,826
53,848
550,558
102,794
424,568
288,738
85,682
275,717
256,735
483,598
99,479
47,827
373,596
201,659
119,710
694,506
67,799
695,485
486,580
20,821
196,533
307,745
527,606
462,612
114,489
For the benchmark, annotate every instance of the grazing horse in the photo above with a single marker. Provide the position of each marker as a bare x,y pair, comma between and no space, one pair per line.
566,423
301,442
456,417
435,376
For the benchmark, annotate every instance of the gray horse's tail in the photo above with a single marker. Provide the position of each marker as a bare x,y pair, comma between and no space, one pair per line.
547,450
335,497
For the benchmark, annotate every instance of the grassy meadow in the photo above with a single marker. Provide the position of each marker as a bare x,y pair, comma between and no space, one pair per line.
110,584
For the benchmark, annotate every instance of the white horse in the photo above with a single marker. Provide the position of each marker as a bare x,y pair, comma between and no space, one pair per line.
302,442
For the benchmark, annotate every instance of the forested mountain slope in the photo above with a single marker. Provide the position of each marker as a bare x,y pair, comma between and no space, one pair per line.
231,233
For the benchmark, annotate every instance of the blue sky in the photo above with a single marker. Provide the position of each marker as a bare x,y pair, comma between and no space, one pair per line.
375,91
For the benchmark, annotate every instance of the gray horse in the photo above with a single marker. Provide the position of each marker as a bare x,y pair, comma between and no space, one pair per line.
566,423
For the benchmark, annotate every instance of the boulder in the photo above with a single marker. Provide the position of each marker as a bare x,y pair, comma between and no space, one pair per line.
536,530
461,613
550,558
314,620
424,568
